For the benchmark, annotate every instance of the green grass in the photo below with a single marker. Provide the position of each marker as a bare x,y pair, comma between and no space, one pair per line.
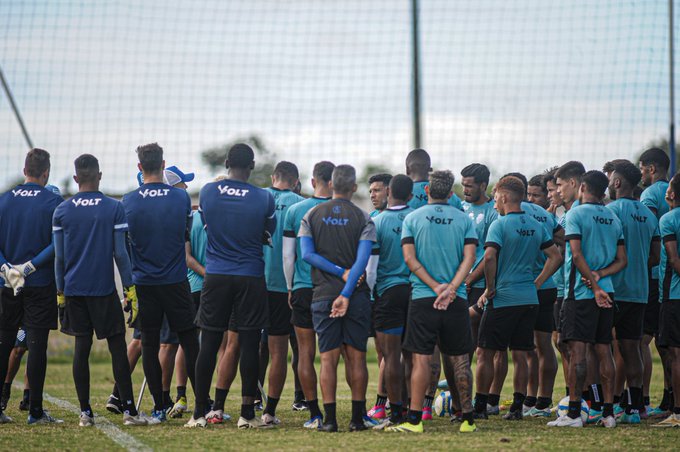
494,433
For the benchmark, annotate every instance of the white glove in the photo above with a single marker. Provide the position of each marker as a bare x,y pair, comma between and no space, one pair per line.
3,273
13,278
26,269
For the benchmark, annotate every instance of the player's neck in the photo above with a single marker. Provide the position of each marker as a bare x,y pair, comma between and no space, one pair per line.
624,193
419,177
88,188
343,196
393,203
282,186
238,174
33,180
587,198
659,177
568,205
437,201
482,200
153,178
513,208
322,191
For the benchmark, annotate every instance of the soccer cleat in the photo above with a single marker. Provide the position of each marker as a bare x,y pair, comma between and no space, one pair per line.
538,412
406,427
466,427
129,419
378,412
513,415
443,384
226,417
357,427
314,423
607,422
671,421
24,405
330,427
270,420
644,411
594,416
178,408
300,405
255,422
86,420
566,421
113,405
618,411
481,415
657,412
633,418
214,417
493,410
157,417
505,404
369,422
44,419
4,400
383,424
427,413
457,417
526,409
4,419
258,405
196,423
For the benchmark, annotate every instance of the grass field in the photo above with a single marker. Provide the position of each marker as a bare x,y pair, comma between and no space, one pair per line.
494,434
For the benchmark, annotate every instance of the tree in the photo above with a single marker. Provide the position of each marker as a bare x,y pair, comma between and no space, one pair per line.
265,159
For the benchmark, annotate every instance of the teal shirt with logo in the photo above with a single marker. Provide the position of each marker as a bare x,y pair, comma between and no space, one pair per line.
550,224
439,233
654,197
482,216
669,280
419,198
198,239
273,255
392,270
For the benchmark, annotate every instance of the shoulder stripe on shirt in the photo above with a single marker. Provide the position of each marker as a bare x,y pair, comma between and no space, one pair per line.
56,228
408,240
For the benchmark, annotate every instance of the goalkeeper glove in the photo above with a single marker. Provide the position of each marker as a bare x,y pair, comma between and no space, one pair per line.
131,304
61,304
13,278
26,268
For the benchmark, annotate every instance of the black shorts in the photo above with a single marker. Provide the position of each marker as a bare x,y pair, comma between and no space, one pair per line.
34,307
103,315
473,297
557,314
167,336
301,299
511,326
428,327
545,321
172,301
222,295
669,332
585,321
196,298
351,329
391,309
628,320
651,322
279,314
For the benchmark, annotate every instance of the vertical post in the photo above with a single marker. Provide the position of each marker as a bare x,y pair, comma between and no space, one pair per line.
671,73
415,70
15,109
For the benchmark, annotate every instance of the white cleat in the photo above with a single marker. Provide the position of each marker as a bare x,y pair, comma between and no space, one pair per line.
196,423
255,422
214,417
566,421
128,419
85,420
607,422
270,420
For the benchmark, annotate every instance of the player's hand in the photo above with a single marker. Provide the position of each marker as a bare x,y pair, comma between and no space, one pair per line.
290,300
61,304
131,304
267,239
486,296
13,278
552,208
26,268
602,298
468,284
339,307
444,299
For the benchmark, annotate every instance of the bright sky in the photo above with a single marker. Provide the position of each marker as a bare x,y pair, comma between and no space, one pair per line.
516,84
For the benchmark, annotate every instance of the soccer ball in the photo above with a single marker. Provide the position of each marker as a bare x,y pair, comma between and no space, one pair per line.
563,409
442,404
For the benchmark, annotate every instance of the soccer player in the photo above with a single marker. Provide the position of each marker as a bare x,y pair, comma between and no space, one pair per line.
418,167
158,217
669,334
654,164
284,179
299,282
239,218
336,238
393,290
26,265
511,305
377,189
438,242
537,191
641,234
595,251
89,233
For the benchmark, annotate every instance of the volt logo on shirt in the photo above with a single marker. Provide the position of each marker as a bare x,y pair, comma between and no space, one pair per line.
336,221
421,197
25,193
227,190
86,202
397,230
438,220
638,218
601,220
154,193
525,232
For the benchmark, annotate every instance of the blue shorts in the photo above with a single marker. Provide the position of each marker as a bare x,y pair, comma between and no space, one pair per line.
352,329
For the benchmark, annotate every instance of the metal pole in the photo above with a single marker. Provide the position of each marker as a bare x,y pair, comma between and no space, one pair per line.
15,109
671,72
141,395
415,82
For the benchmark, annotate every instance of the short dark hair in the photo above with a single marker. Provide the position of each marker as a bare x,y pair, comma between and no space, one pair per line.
675,185
240,156
441,184
323,171
286,171
480,173
150,157
626,169
538,181
512,185
657,157
87,168
522,178
401,187
381,177
344,178
571,170
549,174
596,182
418,160
37,162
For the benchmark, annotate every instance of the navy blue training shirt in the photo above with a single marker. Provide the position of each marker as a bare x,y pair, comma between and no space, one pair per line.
158,217
236,216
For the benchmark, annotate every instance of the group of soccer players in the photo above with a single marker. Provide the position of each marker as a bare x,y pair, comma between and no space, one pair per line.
532,267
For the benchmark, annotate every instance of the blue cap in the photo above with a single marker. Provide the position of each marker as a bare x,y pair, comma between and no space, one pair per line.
171,176
54,189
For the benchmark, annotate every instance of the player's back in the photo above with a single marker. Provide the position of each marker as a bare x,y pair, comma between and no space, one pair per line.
157,216
26,227
392,269
669,280
234,214
419,197
654,197
550,225
482,216
273,255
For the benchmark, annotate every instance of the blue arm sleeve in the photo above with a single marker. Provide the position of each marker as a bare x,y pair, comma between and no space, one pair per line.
3,260
312,258
44,256
363,254
120,254
58,242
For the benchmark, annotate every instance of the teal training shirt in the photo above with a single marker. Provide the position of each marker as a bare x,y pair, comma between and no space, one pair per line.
669,280
439,233
519,239
198,238
558,277
482,216
640,228
392,270
273,255
600,232
550,224
291,225
654,197
419,198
